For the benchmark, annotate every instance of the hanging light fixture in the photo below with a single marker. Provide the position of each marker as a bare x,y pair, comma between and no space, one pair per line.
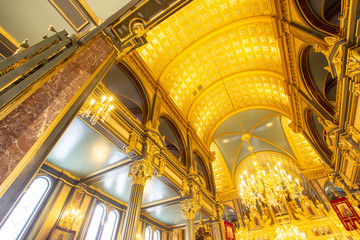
97,109
69,219
268,184
289,233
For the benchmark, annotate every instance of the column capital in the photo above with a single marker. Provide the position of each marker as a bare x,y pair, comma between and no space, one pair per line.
140,171
189,208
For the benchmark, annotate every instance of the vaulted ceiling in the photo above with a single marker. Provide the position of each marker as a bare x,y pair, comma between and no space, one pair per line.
221,64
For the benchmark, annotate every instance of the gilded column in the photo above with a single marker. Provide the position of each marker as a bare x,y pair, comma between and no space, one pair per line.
140,171
189,208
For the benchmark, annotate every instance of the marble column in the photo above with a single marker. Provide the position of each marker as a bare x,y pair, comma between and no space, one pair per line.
140,171
189,208
28,122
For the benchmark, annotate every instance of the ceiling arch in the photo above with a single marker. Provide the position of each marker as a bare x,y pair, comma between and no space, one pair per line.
191,23
253,91
243,48
222,81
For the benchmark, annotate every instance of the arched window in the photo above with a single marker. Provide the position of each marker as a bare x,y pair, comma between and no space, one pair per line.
24,211
148,232
109,231
95,222
157,235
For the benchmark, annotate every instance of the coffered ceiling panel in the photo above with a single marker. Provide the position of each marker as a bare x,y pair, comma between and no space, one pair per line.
194,21
209,43
250,91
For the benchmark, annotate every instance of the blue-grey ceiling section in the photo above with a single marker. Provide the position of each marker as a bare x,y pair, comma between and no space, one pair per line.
119,187
247,118
266,135
82,151
24,19
271,130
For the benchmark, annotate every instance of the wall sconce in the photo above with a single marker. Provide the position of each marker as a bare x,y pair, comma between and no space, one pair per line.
70,218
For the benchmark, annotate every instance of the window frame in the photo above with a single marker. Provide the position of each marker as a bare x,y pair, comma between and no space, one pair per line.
114,228
36,210
148,227
100,226
158,233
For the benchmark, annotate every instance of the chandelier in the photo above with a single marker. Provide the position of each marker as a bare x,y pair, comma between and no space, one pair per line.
268,185
97,109
289,233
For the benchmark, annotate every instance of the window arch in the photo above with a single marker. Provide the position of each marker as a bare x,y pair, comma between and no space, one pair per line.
95,222
157,235
121,81
109,231
148,233
25,210
173,139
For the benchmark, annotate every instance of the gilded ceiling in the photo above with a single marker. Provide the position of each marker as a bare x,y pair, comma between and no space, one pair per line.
209,45
218,60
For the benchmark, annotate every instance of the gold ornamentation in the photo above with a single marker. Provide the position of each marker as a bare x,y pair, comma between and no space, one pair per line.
189,208
151,150
140,171
354,133
353,64
344,145
96,109
161,170
133,140
356,89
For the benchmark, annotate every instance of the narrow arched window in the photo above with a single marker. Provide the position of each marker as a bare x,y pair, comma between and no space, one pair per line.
157,235
95,222
26,208
148,232
109,231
